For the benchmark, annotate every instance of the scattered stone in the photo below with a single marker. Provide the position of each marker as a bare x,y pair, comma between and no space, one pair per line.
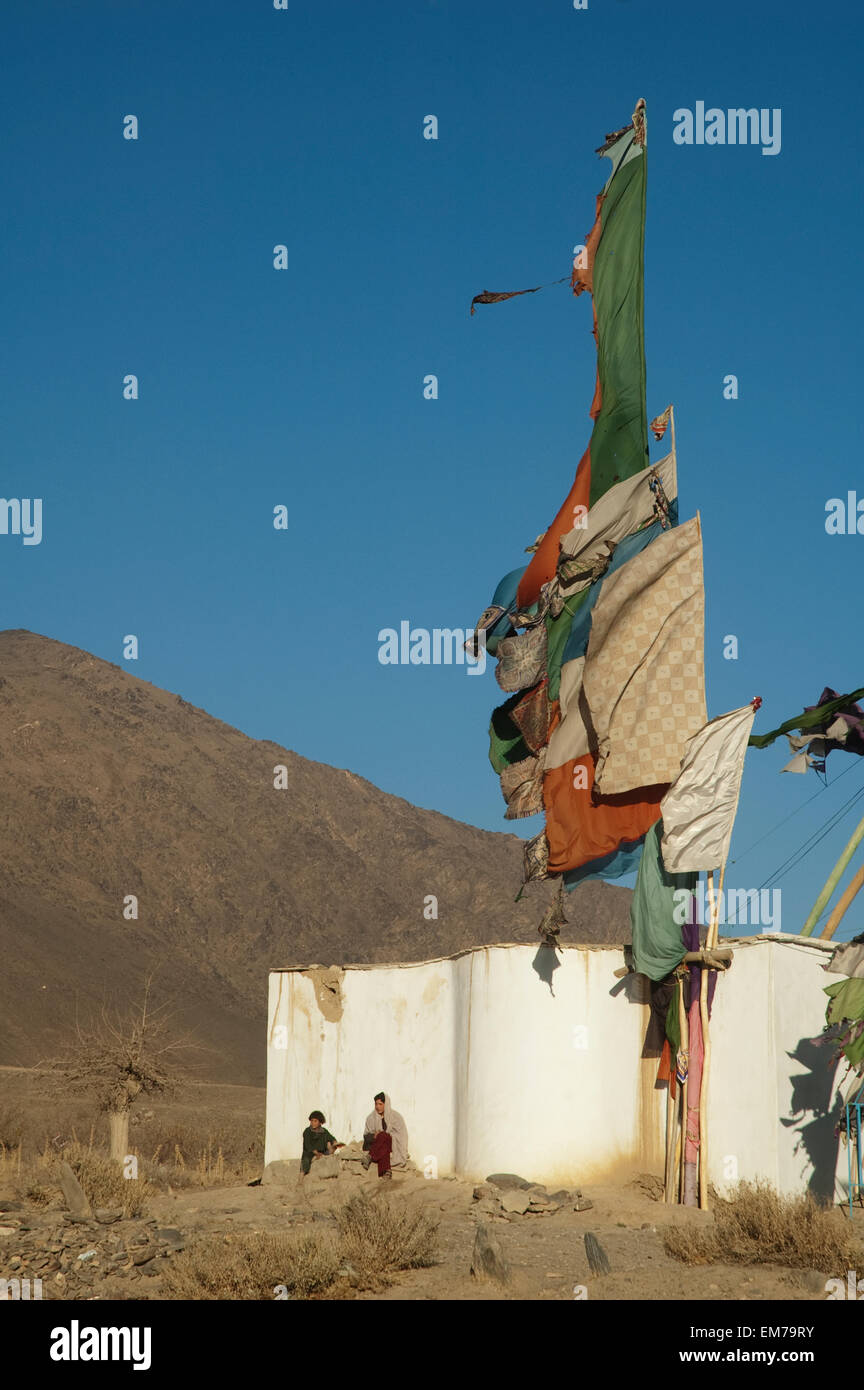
546,1208
487,1259
143,1257
79,1207
505,1181
482,1191
514,1200
583,1204
351,1152
597,1257
88,1255
8,1230
107,1215
172,1236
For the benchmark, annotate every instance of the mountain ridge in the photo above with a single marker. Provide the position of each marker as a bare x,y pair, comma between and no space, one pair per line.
111,787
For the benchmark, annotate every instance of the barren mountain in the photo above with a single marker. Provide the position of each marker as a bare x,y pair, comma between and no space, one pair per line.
111,787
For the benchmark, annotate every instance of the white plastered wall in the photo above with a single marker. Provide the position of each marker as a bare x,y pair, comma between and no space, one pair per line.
494,1070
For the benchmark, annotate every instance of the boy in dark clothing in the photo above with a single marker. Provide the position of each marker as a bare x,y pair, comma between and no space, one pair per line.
316,1141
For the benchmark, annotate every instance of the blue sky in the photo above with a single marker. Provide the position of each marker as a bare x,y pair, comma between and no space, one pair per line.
304,387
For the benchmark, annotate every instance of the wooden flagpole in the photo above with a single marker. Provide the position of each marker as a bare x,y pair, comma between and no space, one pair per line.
684,1030
669,1193
833,879
834,920
710,941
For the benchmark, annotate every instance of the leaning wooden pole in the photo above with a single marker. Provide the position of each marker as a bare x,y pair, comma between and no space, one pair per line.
710,942
833,879
671,1106
684,1031
834,920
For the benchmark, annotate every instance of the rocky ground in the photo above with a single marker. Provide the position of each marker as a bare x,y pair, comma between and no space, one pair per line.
540,1236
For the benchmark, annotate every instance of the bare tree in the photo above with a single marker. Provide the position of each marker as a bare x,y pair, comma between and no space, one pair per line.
121,1056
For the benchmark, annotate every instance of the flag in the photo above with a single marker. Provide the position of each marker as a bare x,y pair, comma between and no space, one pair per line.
613,273
656,917
588,831
660,423
819,717
644,678
699,808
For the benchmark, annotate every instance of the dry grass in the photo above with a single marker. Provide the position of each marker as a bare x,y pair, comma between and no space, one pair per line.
180,1156
102,1180
758,1226
375,1237
12,1126
378,1236
170,1155
253,1267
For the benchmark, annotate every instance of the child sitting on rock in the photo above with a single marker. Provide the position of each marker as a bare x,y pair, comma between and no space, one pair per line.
316,1141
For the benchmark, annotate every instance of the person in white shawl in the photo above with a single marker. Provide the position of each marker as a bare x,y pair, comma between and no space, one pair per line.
384,1119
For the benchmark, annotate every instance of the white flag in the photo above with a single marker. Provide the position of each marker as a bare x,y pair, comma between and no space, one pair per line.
699,808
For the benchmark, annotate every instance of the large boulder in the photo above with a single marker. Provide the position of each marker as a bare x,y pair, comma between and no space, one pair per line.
281,1171
327,1166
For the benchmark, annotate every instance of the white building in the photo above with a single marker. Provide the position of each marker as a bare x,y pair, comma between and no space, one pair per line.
495,1067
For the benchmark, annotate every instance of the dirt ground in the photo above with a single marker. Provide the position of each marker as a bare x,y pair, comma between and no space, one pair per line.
546,1253
126,1259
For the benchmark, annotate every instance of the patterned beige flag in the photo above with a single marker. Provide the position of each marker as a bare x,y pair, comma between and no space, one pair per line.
644,677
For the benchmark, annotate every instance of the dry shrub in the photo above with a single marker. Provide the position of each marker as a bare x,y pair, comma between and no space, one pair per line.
102,1180
378,1236
758,1226
253,1267
40,1195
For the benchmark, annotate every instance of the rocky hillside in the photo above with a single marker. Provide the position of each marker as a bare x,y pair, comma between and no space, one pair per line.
111,787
